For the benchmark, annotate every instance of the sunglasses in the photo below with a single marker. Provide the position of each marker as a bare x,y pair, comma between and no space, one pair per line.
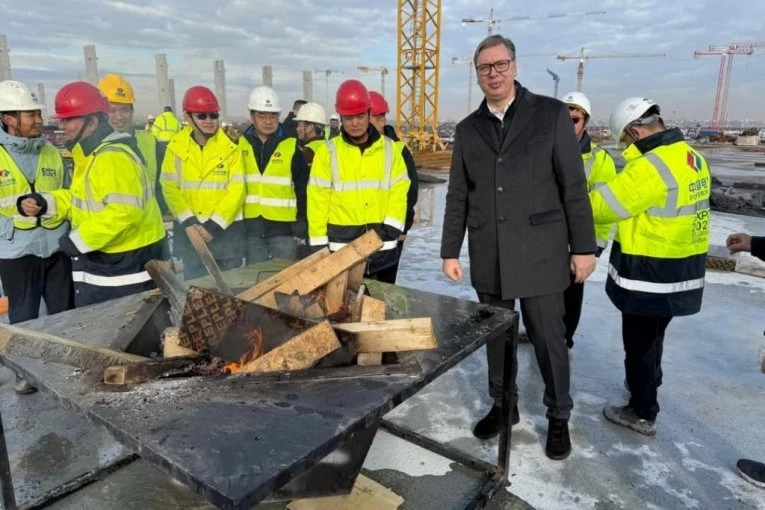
204,116
576,120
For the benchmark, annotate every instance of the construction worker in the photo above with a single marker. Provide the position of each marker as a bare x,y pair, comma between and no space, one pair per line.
116,224
203,183
32,266
334,126
290,124
311,121
599,168
121,98
378,111
358,182
149,123
656,271
165,125
276,175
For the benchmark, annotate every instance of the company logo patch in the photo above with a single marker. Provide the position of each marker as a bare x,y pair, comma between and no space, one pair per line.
694,160
4,173
120,92
277,154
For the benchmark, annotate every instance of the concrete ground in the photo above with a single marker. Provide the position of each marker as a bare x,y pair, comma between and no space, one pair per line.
712,413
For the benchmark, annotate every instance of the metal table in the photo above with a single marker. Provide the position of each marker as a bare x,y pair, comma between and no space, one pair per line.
238,440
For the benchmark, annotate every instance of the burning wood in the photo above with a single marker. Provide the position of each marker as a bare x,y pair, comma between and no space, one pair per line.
255,337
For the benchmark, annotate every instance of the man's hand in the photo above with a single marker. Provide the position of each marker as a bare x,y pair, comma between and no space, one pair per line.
582,266
30,207
739,242
453,269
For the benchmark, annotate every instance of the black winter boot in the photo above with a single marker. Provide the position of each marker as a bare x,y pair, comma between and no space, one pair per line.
558,440
491,424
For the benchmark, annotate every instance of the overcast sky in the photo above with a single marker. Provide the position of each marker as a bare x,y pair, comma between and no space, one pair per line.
46,38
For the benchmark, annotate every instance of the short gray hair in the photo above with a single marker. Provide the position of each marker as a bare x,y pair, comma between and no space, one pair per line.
494,40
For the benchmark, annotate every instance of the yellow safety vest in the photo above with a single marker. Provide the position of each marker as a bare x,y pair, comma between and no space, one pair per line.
13,183
165,127
315,144
110,203
599,168
661,203
206,183
147,144
272,193
349,189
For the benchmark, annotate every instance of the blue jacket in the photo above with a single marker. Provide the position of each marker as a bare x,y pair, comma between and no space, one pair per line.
16,243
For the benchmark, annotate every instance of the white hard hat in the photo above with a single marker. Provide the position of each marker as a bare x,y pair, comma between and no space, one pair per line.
17,97
334,116
312,112
627,112
150,117
264,99
578,100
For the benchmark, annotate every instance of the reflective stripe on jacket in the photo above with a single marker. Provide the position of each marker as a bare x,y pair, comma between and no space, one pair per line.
203,182
270,193
599,168
661,203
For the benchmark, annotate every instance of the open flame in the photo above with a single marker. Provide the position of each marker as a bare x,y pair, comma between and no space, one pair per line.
255,338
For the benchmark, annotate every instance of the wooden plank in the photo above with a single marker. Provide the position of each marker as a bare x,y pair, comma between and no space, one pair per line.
356,275
170,286
298,353
355,305
18,341
305,307
200,246
365,495
144,314
391,336
334,293
287,273
171,347
135,373
310,279
371,310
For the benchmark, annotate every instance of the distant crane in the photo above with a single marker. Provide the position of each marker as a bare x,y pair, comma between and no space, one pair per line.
382,70
726,52
326,73
556,79
493,22
582,57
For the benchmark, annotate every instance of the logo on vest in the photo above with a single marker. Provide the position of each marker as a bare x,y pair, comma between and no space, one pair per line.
276,157
6,178
48,172
694,161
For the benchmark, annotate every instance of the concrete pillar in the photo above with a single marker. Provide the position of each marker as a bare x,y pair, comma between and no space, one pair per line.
308,86
5,59
219,71
171,90
41,97
91,64
163,82
268,76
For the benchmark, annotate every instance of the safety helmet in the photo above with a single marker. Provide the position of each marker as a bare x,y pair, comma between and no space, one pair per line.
578,101
334,116
264,99
150,117
312,112
17,97
199,99
78,99
116,89
378,104
352,98
627,112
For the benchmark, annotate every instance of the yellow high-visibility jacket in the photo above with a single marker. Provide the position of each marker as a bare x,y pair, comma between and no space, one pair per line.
147,144
110,203
206,183
661,203
599,168
270,193
165,127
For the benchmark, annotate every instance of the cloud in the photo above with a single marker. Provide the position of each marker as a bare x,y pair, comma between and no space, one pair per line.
46,39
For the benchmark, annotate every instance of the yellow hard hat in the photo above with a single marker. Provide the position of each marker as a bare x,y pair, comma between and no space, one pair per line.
116,89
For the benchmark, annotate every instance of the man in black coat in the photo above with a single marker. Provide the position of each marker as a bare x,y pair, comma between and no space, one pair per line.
518,185
290,124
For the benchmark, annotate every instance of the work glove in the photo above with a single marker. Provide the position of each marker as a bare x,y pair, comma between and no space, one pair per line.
300,229
39,200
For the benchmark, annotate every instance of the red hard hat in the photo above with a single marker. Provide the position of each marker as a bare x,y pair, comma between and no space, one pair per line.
78,99
352,98
378,104
199,99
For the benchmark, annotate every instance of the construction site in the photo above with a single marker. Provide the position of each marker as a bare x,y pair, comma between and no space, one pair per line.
308,385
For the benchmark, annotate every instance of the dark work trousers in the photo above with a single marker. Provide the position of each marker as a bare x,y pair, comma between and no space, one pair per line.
643,338
572,300
29,279
227,249
388,275
543,318
261,248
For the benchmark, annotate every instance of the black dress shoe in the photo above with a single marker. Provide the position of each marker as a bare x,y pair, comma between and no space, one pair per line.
558,440
491,424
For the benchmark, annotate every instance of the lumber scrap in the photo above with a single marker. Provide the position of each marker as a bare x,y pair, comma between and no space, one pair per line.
299,352
166,281
171,347
17,341
365,495
200,246
334,293
128,333
286,274
391,336
134,373
320,273
356,275
371,310
310,306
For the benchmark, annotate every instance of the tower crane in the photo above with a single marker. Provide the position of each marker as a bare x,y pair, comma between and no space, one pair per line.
493,22
582,57
383,72
326,73
726,53
556,79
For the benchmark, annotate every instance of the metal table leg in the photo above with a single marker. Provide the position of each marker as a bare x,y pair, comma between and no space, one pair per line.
6,481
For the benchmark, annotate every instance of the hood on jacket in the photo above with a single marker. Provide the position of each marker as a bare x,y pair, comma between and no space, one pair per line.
21,145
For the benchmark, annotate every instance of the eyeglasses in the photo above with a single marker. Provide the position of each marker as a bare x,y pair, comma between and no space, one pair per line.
204,116
501,66
576,120
266,116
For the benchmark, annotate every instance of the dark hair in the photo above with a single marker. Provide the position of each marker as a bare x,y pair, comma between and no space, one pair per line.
167,109
299,102
492,41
